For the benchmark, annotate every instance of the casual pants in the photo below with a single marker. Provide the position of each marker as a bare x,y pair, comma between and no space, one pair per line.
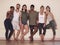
8,27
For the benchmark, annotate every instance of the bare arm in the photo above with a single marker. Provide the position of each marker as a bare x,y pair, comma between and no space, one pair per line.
37,16
45,18
7,15
20,18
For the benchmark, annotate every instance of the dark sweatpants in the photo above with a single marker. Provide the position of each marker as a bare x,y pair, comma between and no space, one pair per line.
8,27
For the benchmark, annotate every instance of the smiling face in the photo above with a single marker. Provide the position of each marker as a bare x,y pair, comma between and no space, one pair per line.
24,7
32,7
47,9
18,6
42,9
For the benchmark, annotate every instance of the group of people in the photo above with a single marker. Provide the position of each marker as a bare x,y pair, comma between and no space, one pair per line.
16,20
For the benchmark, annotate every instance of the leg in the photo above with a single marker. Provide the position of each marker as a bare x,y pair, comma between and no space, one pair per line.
35,30
40,31
44,32
7,29
6,34
27,29
31,33
18,30
22,32
11,32
17,35
54,33
14,34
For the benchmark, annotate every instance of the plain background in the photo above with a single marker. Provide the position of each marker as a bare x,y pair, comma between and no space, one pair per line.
55,8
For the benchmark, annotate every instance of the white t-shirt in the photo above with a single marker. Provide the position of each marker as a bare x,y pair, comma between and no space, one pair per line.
41,18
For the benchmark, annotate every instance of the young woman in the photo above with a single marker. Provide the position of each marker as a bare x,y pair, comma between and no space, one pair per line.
15,21
24,18
52,24
42,23
8,23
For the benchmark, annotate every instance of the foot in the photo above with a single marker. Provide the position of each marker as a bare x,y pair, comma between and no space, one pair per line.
31,38
15,39
42,40
52,39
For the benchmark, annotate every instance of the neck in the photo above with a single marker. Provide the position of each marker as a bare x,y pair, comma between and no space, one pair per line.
41,12
23,10
11,11
17,10
32,10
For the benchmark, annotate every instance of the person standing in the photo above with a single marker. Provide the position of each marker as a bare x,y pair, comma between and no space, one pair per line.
33,16
24,19
52,23
8,23
42,23
15,22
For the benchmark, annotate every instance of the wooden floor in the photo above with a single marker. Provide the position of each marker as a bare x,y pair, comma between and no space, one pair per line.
36,42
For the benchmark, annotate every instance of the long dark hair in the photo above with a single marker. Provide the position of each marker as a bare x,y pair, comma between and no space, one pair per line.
48,7
25,6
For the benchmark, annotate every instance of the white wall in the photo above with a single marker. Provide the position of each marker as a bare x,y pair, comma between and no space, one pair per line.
54,4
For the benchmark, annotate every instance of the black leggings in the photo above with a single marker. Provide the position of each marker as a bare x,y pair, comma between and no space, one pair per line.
40,27
8,27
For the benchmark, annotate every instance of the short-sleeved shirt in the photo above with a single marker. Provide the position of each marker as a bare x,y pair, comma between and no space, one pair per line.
24,16
33,18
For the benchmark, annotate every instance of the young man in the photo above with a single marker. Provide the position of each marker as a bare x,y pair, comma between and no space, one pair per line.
8,24
33,15
15,21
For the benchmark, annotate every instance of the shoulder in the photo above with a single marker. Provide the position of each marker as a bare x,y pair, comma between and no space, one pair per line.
51,13
46,14
8,11
35,11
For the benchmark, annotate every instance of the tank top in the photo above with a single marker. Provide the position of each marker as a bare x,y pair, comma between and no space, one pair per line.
49,18
16,16
41,18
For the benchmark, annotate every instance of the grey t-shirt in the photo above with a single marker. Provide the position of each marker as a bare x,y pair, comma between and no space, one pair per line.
33,18
24,17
